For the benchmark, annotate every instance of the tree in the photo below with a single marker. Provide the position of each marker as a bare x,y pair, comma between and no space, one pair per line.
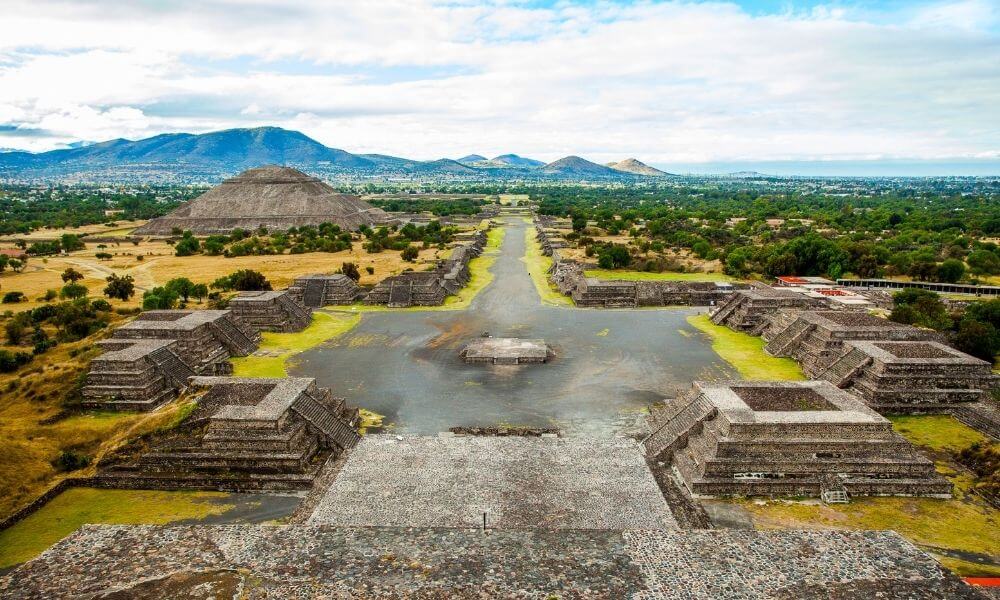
951,270
121,288
978,339
73,290
187,246
70,242
180,286
983,262
351,270
579,223
914,306
103,256
159,298
243,280
71,275
613,256
18,264
410,253
199,292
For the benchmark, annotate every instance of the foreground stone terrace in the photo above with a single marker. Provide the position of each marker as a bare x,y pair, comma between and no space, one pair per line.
303,561
518,481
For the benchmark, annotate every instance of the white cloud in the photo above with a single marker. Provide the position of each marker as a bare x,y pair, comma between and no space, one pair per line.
667,82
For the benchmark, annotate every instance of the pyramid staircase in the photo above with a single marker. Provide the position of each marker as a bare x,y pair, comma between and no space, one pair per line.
175,371
312,295
787,340
298,311
327,420
722,313
846,368
237,341
672,430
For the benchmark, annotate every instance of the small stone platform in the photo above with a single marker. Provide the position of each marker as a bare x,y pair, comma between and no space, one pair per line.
506,351
786,438
450,481
899,377
307,561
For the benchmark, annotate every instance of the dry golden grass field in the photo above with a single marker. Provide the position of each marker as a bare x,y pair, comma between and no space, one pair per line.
159,264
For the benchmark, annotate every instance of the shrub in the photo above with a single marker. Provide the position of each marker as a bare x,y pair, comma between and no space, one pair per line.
13,297
69,460
351,270
410,253
10,361
73,290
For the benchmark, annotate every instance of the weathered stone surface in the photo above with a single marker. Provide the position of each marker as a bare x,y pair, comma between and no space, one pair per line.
785,438
271,311
304,561
895,377
277,198
519,482
244,433
816,338
506,351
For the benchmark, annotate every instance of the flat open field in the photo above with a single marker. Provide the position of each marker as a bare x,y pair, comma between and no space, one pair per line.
117,229
159,265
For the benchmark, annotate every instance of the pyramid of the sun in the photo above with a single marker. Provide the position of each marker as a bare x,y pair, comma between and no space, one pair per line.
274,197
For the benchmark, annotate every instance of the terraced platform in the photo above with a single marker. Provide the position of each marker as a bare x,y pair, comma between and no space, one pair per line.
304,561
519,482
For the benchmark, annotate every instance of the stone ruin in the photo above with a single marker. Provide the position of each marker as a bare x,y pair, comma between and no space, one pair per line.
271,311
816,338
244,433
895,377
148,360
429,288
613,293
550,240
748,310
135,375
317,291
759,438
506,351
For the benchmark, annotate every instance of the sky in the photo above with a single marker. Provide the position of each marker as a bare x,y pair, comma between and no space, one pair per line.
670,83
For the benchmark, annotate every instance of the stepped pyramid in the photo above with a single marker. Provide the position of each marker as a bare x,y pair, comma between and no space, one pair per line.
274,197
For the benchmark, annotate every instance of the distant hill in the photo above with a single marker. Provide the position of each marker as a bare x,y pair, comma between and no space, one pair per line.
186,157
631,165
233,148
513,160
578,167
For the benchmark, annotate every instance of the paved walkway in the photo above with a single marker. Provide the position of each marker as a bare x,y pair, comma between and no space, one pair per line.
302,561
519,482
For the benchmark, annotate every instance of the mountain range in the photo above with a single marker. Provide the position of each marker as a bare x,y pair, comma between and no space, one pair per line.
179,156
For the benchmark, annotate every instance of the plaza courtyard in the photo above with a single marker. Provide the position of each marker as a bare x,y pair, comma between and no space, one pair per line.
609,365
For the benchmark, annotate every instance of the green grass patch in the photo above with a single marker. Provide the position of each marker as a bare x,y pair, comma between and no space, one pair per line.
538,266
746,353
282,346
665,276
932,523
937,432
69,510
